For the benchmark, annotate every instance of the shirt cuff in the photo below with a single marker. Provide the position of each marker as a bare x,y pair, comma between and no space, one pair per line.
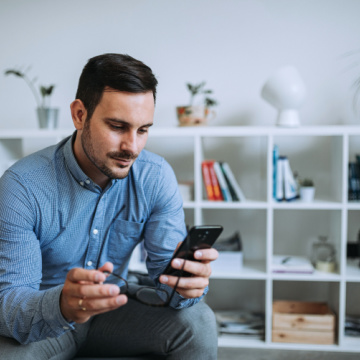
51,312
178,301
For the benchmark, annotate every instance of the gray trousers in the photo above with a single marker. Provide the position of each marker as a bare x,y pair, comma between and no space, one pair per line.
131,330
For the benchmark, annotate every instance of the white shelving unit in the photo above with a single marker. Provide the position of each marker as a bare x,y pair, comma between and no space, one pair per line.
267,227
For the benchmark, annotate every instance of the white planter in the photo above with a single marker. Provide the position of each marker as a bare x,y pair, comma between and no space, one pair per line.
307,193
48,117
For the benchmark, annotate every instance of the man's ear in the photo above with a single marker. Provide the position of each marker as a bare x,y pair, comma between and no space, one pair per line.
78,114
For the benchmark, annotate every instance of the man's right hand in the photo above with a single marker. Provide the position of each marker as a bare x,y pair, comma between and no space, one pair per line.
84,295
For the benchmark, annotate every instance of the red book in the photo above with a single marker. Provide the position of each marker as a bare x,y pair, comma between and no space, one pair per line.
207,180
214,181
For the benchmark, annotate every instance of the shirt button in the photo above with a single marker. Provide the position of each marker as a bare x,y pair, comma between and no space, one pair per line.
81,183
65,327
87,181
89,263
95,231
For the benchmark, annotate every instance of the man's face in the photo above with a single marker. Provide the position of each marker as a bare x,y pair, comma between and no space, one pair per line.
115,135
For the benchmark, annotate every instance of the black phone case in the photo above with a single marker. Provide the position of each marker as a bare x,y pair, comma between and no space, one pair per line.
199,237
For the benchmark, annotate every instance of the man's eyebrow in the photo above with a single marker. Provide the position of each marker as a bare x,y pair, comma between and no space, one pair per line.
123,122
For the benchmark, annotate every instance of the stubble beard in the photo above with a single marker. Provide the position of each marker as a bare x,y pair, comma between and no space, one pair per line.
87,145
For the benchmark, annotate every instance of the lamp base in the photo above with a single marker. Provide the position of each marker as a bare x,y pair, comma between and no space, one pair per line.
288,118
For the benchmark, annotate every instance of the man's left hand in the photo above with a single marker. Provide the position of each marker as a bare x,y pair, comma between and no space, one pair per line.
193,286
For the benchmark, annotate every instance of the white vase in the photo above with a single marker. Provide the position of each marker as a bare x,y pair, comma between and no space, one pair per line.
48,117
307,193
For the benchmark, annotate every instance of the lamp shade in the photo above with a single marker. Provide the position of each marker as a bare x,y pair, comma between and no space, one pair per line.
286,91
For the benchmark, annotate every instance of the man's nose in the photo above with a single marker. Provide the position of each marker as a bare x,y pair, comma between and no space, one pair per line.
129,142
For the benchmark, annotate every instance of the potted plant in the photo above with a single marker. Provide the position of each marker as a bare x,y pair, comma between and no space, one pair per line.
47,115
307,190
196,113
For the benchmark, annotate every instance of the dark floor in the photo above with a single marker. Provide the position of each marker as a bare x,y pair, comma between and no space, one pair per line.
271,354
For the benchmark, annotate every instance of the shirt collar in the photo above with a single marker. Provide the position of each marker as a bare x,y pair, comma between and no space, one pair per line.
74,167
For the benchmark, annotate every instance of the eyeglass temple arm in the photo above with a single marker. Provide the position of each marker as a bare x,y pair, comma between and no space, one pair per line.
181,271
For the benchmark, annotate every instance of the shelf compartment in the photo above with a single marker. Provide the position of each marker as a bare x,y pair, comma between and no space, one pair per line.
316,157
352,309
354,151
295,232
309,291
248,153
251,225
303,322
10,151
220,298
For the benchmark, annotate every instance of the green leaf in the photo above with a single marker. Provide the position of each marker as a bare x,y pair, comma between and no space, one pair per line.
210,102
14,72
46,91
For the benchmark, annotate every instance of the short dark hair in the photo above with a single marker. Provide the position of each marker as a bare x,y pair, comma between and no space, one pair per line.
117,71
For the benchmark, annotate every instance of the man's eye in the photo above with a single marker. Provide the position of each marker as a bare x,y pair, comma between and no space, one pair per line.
143,131
117,127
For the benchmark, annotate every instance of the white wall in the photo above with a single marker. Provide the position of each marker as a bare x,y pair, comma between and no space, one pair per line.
232,44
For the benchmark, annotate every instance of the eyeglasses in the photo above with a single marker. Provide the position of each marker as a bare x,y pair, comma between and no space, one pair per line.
148,295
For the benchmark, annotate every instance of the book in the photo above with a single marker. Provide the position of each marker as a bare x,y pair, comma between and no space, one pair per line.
286,187
241,322
290,187
214,181
291,264
234,187
207,181
222,182
279,179
275,160
354,181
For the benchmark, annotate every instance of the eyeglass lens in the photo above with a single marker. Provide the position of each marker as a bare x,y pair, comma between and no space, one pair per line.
146,294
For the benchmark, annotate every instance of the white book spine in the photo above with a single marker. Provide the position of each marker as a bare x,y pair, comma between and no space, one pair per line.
233,181
222,182
289,181
279,179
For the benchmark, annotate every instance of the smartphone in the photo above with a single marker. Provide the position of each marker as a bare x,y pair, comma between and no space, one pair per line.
199,237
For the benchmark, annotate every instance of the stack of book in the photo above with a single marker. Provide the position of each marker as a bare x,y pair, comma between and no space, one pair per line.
291,265
352,325
354,179
284,184
241,323
220,182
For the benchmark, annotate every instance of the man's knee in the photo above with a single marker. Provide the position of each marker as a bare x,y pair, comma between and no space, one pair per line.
196,330
200,320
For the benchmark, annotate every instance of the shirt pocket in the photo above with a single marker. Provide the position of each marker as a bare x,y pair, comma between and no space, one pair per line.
123,238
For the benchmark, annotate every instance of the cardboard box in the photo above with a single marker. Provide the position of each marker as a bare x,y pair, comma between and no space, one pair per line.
303,322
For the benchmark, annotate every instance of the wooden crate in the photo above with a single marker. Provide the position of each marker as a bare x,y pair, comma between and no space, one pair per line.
303,322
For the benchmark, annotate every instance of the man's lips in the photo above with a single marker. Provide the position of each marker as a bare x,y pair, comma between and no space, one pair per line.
121,161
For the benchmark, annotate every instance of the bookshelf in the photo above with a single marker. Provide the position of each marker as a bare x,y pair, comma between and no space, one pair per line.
267,227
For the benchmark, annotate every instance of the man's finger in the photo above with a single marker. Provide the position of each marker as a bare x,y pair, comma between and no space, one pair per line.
196,282
206,254
79,274
95,291
193,267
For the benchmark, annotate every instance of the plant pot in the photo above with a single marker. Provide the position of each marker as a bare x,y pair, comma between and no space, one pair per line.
193,115
48,117
307,193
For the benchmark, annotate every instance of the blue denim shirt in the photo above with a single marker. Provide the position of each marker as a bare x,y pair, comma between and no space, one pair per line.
54,218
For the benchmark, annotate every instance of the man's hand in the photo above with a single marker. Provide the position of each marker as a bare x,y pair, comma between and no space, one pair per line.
193,286
84,295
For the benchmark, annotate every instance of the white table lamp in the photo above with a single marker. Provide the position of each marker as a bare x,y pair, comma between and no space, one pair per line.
286,91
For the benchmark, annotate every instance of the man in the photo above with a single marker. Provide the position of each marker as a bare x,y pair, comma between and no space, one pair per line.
73,211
